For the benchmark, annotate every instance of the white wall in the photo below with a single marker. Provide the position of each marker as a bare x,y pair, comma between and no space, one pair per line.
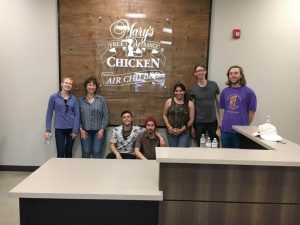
29,73
269,50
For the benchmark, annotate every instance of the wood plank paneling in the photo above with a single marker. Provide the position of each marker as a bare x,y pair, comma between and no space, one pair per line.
212,213
229,194
84,38
257,184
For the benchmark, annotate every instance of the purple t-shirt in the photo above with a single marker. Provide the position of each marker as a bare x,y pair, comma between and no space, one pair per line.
236,102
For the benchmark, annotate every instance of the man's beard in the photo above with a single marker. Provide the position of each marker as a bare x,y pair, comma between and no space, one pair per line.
150,131
235,82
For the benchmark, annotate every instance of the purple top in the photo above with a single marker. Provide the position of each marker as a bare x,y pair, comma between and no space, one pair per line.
66,113
236,102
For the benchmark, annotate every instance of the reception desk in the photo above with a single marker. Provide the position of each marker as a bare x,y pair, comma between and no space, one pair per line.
90,191
231,186
184,186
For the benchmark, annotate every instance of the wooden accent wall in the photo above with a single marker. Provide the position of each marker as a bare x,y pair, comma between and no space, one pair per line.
85,36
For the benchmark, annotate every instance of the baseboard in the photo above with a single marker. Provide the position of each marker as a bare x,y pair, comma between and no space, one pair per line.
18,168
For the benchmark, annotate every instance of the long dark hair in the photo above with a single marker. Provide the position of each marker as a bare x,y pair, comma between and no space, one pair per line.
181,85
242,80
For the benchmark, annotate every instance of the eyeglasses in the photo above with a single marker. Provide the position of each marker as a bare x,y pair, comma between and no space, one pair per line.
198,71
66,106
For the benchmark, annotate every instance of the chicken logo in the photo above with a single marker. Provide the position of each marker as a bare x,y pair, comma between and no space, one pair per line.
135,56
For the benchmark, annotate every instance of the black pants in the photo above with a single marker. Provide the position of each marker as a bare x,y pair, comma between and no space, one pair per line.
209,127
124,156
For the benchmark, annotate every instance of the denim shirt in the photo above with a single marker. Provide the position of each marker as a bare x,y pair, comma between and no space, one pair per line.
66,113
93,116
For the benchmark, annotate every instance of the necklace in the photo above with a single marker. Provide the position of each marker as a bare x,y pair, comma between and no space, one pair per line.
126,133
89,97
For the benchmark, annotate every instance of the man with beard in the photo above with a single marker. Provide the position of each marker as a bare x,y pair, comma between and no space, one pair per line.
237,107
147,141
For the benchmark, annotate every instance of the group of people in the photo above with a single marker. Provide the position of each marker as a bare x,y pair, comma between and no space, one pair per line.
205,110
89,118
202,109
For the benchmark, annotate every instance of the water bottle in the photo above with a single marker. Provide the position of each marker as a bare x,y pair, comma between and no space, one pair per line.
214,143
202,141
268,119
208,143
47,142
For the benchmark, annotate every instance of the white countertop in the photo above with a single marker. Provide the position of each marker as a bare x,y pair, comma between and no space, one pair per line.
93,179
280,154
271,145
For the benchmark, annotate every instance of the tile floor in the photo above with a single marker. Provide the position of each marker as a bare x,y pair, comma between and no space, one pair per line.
9,206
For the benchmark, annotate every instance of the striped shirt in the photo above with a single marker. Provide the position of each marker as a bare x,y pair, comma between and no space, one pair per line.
93,116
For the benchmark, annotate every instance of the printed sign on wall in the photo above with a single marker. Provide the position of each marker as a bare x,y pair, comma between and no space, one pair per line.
133,46
136,61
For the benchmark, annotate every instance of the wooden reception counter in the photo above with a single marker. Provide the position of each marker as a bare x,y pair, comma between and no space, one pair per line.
231,186
90,191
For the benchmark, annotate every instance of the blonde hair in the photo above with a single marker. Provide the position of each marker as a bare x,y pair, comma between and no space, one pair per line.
64,78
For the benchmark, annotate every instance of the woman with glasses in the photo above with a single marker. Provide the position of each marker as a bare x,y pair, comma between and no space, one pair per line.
66,122
178,115
94,119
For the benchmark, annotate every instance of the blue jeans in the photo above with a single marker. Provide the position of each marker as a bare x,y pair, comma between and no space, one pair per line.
179,141
92,145
64,143
230,140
